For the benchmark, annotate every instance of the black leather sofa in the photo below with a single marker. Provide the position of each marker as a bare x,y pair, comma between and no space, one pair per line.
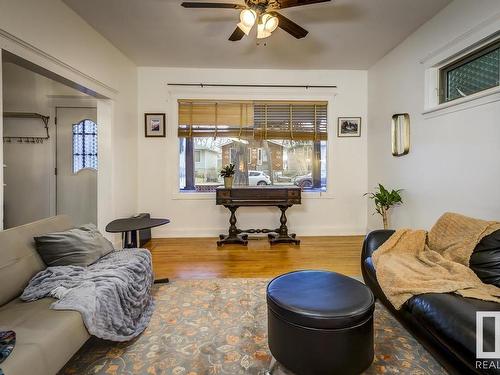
445,323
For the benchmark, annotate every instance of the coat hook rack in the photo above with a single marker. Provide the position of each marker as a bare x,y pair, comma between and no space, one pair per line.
28,139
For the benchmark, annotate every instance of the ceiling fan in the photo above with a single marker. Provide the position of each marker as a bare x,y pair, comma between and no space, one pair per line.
261,12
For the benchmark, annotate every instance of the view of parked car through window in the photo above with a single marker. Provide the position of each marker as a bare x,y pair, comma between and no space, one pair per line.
266,152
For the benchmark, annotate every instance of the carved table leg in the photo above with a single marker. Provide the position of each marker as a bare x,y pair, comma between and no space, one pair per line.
282,235
234,235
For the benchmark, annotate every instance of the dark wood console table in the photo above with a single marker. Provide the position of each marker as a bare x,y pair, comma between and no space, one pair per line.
281,197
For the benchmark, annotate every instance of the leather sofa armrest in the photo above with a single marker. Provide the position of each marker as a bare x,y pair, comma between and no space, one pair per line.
373,241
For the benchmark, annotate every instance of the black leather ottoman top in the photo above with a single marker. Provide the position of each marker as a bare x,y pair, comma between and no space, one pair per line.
320,299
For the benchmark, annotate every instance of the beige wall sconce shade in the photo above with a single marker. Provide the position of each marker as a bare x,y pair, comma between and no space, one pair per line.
400,133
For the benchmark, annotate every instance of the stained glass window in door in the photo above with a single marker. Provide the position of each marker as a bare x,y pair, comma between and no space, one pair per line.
85,146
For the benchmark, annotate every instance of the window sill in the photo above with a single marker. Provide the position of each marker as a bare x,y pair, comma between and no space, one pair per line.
193,195
211,196
471,101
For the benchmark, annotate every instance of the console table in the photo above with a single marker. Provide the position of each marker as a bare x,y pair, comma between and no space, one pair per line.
277,196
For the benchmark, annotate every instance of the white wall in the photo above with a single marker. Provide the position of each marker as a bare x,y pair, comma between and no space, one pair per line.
50,34
28,166
454,161
1,153
341,211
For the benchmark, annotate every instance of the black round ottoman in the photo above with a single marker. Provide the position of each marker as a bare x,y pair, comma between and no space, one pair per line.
320,323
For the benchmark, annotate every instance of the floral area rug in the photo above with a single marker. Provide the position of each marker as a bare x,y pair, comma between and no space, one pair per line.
219,327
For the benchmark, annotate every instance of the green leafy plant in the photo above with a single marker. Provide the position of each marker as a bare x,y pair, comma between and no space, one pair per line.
227,171
384,200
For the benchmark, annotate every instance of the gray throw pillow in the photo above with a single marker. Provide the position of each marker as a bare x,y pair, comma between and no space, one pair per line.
76,247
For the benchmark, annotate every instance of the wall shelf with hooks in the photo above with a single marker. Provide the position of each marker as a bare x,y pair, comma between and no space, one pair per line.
28,139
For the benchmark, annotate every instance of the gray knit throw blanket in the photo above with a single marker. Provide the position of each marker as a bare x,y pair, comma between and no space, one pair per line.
113,295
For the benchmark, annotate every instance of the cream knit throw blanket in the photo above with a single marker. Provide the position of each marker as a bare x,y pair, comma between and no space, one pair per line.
413,262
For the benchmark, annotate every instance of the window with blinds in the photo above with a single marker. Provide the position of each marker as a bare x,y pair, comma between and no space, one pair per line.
269,142
258,120
292,121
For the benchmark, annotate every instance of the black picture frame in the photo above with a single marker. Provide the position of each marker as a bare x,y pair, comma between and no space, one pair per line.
154,125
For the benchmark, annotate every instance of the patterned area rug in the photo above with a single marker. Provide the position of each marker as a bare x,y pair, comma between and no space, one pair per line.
218,327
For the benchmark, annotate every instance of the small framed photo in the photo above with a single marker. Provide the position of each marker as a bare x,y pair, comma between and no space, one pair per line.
154,124
349,127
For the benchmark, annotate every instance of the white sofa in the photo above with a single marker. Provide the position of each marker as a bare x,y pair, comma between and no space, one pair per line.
45,339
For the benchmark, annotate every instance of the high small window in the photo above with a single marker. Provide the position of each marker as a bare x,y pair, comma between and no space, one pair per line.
84,145
475,72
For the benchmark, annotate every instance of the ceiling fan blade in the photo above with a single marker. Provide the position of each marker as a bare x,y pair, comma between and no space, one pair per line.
237,34
194,4
291,27
282,4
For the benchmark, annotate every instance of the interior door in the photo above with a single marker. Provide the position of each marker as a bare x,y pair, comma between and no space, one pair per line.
76,164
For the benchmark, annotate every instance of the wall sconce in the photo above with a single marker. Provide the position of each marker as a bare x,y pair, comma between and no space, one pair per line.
400,132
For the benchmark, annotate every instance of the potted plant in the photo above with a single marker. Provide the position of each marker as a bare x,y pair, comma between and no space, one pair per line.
228,173
384,200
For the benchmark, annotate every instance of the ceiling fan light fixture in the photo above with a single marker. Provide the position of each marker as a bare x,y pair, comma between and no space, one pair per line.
270,22
267,24
262,32
247,18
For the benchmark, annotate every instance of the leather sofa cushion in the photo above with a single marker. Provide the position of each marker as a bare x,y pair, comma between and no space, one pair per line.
452,320
45,339
320,299
485,260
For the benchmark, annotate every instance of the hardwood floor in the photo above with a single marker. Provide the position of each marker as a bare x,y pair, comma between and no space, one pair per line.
197,258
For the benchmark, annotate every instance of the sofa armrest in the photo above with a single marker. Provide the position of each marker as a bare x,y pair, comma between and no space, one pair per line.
373,241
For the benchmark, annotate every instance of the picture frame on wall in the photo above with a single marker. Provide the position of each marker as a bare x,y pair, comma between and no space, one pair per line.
349,127
154,125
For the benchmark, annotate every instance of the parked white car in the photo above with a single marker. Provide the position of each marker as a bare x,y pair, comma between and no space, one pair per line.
258,178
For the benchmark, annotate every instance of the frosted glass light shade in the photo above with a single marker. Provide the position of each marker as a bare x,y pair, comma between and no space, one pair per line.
247,20
270,22
262,32
267,24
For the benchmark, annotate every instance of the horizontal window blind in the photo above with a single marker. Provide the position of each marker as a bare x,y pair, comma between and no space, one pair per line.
290,120
294,120
215,119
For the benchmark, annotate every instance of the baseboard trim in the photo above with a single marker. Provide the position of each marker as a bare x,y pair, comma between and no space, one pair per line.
169,232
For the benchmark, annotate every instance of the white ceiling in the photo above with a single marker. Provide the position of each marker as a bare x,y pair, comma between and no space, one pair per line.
343,34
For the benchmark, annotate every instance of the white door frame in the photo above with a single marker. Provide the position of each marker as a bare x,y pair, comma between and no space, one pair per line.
54,183
104,110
